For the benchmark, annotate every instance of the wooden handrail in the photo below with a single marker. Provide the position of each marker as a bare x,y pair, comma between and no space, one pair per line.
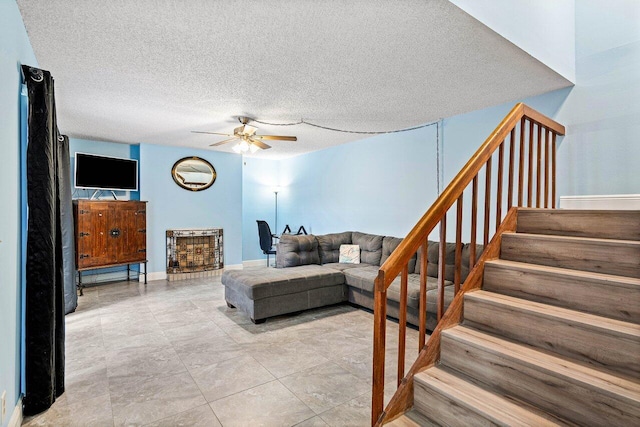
398,261
403,253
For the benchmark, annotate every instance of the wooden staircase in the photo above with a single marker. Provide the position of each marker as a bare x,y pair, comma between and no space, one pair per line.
553,336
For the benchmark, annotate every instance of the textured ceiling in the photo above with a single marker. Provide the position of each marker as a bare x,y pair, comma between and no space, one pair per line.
152,70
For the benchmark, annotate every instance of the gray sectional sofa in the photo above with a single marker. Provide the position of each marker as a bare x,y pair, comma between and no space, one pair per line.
308,275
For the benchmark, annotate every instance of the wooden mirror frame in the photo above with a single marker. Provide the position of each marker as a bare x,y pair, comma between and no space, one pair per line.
193,186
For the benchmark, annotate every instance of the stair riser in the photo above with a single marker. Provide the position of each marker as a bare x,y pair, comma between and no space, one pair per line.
560,396
622,260
598,347
621,225
447,411
590,295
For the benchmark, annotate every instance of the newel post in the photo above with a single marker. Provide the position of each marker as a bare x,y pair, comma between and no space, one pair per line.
379,334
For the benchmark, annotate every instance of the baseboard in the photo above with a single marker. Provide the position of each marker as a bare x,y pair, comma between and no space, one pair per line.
154,275
16,415
255,263
162,275
602,202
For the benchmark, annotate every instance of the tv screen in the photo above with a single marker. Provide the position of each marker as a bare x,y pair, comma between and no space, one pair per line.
106,173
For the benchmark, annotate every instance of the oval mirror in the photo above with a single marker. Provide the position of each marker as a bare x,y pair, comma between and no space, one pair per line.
193,173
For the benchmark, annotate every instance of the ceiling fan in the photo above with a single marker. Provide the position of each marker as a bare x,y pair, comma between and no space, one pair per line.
249,141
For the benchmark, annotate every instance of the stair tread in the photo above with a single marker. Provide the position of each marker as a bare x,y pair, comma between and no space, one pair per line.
560,238
413,418
497,408
611,326
554,365
612,279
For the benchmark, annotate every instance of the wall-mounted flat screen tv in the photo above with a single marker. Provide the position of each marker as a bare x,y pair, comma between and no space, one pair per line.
106,173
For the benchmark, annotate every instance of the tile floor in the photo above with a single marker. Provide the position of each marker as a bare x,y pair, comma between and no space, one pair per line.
173,354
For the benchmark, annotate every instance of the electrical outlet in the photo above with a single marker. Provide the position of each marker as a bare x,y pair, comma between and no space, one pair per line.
3,404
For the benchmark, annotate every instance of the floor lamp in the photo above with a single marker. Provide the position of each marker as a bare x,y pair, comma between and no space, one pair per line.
276,193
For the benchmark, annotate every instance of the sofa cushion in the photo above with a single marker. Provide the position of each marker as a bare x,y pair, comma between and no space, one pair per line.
329,246
433,255
361,278
389,244
259,283
450,260
341,266
364,279
413,289
370,247
295,250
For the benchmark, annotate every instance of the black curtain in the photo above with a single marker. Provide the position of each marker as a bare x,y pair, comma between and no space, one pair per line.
66,225
45,302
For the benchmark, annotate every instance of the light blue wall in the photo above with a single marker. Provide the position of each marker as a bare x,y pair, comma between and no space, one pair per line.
171,206
545,29
102,148
259,179
134,153
379,185
340,188
15,50
464,133
601,153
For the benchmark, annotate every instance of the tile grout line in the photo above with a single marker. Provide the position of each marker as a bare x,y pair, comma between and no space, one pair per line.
247,341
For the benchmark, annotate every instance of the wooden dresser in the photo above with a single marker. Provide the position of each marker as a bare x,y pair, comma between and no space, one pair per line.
110,233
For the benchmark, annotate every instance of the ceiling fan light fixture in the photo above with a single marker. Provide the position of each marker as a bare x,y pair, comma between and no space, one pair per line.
243,146
247,138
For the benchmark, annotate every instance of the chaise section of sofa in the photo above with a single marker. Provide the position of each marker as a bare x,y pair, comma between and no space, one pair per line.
268,292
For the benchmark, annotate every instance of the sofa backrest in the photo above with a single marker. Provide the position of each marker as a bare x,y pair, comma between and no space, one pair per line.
450,260
389,244
329,246
294,250
370,247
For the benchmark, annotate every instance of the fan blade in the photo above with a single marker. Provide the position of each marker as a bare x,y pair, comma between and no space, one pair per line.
223,142
276,138
211,133
259,144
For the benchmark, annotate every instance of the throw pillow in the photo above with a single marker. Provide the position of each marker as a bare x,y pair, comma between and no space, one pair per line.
350,254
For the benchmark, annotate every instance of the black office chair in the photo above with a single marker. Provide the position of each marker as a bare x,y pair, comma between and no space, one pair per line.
266,239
